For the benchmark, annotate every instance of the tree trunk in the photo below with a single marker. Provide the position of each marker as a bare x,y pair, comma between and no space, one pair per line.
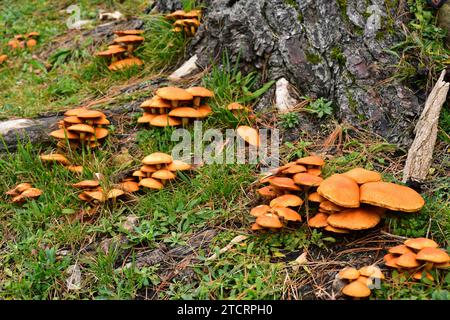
324,48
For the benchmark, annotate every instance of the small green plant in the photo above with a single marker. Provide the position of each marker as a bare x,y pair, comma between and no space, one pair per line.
289,120
320,107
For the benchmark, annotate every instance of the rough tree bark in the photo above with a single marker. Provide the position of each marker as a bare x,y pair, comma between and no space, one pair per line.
325,48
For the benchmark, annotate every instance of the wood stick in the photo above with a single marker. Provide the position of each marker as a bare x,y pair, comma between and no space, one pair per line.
420,154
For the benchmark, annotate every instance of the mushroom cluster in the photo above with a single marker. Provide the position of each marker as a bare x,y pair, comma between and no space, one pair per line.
158,168
185,21
354,200
120,53
416,257
92,192
359,282
81,126
62,160
304,173
172,106
20,41
23,192
357,200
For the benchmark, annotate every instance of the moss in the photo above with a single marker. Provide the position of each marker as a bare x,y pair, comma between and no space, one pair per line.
353,105
292,3
338,56
343,5
313,58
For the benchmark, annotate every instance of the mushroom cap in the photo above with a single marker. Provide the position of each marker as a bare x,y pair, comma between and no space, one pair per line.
148,168
256,227
391,262
200,91
21,187
176,15
287,200
31,43
72,120
284,183
250,135
193,14
268,192
157,158
329,206
434,255
355,219
318,221
88,114
33,34
184,112
129,186
3,58
82,128
259,210
365,280
139,173
444,265
287,214
294,169
191,22
75,112
163,174
63,134
361,175
102,121
151,183
146,118
204,111
235,106
156,102
371,272
349,274
174,94
340,190
311,161
391,196
75,168
407,260
115,193
125,63
336,230
86,184
316,197
110,51
314,171
163,120
99,133
95,195
269,220
420,243
131,38
389,257
178,165
356,289
31,193
400,249
121,33
55,157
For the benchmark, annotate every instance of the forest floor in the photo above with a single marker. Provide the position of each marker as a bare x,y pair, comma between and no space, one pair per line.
165,254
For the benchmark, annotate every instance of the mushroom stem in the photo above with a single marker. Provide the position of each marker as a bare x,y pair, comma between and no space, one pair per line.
184,121
174,103
197,101
192,30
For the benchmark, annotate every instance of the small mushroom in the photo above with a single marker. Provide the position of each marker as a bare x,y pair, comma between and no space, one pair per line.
174,95
250,135
199,93
125,64
185,113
